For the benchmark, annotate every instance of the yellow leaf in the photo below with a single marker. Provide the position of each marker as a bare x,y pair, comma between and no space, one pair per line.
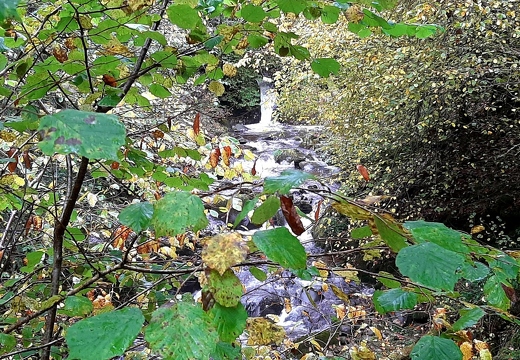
223,251
216,88
263,332
376,332
467,350
229,70
352,210
477,229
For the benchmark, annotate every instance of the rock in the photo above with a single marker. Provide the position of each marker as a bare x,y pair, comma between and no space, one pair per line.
289,156
319,168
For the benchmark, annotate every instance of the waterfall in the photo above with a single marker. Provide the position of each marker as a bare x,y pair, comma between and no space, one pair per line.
267,100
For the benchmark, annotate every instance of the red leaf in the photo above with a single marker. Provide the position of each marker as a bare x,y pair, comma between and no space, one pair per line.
110,80
363,171
196,124
114,165
227,149
12,165
510,293
290,214
27,160
253,170
214,157
317,213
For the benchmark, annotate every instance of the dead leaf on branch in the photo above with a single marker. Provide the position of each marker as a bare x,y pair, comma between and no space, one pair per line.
291,215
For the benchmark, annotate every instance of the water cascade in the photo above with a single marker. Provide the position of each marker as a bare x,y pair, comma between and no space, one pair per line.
267,100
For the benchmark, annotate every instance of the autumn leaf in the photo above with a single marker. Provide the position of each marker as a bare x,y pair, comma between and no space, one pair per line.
196,124
363,171
60,53
109,80
223,251
317,213
290,214
253,170
216,88
27,160
214,157
227,150
114,165
12,154
120,236
225,156
148,247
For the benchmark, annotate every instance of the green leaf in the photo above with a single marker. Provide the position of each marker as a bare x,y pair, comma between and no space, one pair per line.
360,233
182,332
167,59
266,211
159,91
391,234
253,13
435,348
280,246
504,266
7,342
495,294
430,265
110,100
474,272
257,41
89,134
33,259
226,351
77,306
388,280
248,206
226,288
137,216
394,300
286,181
299,52
292,6
230,322
329,14
257,273
183,16
177,212
437,233
110,334
468,318
425,31
324,67
8,10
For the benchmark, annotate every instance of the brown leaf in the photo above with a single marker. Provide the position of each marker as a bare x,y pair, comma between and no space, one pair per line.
196,124
60,53
12,154
214,157
109,80
114,165
227,150
157,134
11,33
290,214
317,213
225,156
510,293
27,160
28,224
253,170
363,171
120,236
149,247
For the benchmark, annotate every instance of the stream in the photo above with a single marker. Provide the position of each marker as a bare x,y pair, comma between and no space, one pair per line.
301,307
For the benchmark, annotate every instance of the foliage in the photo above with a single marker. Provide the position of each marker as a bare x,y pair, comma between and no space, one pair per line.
101,57
431,118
